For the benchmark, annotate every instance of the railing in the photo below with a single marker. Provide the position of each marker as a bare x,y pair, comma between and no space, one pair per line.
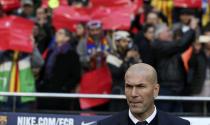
99,96
106,96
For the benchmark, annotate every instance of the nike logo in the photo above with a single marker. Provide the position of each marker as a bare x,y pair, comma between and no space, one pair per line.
88,123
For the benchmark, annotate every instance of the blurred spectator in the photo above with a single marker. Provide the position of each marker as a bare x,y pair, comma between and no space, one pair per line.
143,40
152,18
61,72
184,24
199,73
25,82
41,16
94,47
137,22
171,73
2,13
27,9
161,15
125,55
79,33
43,31
93,50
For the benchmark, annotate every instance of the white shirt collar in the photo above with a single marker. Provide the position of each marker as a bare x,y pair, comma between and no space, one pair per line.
149,119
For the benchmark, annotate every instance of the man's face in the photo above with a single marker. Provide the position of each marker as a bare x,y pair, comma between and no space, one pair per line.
185,18
80,30
149,34
123,43
95,31
166,35
40,13
152,18
28,9
35,30
61,36
140,92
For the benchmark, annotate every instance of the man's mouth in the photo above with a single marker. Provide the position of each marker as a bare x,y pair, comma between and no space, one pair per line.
136,102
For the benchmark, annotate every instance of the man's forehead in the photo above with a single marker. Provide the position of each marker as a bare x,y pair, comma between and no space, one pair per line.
139,77
136,75
137,72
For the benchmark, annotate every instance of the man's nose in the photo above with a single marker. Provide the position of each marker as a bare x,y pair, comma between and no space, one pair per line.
134,92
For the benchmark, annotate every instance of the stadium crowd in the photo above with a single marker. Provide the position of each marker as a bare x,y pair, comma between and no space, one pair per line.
64,61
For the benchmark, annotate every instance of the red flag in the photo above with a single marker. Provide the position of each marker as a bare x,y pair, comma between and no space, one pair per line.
15,34
100,12
95,82
116,22
188,3
111,17
68,17
109,3
8,5
114,17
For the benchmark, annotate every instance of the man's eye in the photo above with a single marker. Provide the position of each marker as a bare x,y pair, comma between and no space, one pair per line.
141,86
128,86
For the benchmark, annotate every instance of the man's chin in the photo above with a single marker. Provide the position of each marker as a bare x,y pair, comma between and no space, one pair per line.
136,110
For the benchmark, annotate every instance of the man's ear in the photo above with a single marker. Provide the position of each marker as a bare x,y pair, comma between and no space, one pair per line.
156,89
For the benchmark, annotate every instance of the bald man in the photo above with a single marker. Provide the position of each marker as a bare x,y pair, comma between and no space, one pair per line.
141,88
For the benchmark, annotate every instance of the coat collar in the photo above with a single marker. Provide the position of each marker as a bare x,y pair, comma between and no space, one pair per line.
161,118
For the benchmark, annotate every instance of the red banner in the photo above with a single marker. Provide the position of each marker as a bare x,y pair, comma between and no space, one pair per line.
114,15
15,34
8,5
112,18
98,81
109,3
188,3
68,17
115,18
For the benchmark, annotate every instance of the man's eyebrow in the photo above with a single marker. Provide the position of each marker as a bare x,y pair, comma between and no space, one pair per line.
139,83
127,83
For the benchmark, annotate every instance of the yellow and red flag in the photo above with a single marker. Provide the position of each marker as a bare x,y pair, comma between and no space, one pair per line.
165,6
14,85
206,12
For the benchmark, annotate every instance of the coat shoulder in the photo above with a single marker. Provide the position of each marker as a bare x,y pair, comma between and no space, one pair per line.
114,119
172,119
